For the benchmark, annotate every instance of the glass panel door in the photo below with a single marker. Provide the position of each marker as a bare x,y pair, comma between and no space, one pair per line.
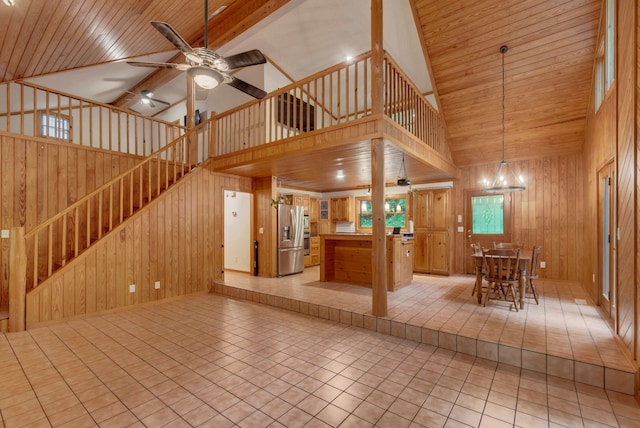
487,220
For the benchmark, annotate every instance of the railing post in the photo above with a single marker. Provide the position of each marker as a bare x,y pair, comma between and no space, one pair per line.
17,279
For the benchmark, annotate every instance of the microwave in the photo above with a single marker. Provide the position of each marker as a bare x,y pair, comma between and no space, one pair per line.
306,222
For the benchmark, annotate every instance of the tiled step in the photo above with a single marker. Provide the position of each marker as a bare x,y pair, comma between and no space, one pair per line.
619,376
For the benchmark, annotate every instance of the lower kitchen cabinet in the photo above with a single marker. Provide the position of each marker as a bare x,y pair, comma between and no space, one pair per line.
431,252
313,259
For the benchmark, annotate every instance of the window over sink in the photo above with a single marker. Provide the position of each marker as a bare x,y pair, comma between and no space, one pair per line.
395,212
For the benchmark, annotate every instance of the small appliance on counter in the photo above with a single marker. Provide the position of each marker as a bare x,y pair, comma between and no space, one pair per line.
290,239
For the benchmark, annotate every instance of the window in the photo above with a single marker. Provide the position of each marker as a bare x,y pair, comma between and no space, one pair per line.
395,212
610,36
605,66
487,214
56,126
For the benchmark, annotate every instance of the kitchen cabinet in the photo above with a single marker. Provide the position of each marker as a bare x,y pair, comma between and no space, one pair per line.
313,209
342,209
301,200
432,229
315,250
346,257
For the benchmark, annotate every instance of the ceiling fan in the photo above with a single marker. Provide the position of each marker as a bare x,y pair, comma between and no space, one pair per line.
146,98
207,68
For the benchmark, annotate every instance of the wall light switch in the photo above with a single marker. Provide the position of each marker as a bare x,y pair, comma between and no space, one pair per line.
459,218
157,285
461,229
543,265
5,233
132,288
261,231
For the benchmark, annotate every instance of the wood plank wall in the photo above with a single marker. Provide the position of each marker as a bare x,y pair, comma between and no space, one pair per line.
612,135
265,217
38,178
548,213
627,192
173,241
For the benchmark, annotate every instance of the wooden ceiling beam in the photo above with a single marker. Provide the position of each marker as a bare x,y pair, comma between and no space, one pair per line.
239,16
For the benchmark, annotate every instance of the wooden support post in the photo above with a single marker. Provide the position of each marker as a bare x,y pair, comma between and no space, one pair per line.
192,138
17,279
379,251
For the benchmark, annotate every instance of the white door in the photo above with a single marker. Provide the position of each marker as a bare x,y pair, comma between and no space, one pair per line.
237,231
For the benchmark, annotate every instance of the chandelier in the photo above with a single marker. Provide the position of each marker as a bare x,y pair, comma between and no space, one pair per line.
505,179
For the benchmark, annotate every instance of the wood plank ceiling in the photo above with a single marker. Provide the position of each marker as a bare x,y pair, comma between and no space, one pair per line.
37,38
548,66
548,72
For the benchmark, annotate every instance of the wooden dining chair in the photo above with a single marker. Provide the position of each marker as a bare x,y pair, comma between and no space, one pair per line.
505,246
502,274
534,270
477,248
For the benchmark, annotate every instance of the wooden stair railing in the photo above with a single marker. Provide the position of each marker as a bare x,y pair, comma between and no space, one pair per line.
55,242
24,107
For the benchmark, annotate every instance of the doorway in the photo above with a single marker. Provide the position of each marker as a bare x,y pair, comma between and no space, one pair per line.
488,220
607,240
237,231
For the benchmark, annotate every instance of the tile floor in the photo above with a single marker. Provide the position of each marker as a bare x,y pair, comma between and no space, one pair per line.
213,361
564,335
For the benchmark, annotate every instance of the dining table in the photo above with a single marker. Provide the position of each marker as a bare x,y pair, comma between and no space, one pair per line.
523,268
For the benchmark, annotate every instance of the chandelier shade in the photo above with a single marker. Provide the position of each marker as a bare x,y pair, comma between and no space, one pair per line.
505,179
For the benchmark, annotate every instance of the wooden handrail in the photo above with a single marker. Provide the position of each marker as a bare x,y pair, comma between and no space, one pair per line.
81,121
54,242
336,95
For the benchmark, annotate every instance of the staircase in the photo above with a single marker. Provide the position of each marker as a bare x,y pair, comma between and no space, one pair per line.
57,242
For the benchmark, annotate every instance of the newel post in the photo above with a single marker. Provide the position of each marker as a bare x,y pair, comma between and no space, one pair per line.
17,279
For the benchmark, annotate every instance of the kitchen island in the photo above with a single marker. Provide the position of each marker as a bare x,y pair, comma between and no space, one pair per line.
346,257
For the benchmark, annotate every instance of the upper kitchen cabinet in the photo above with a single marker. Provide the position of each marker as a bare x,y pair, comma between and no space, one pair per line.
301,200
342,209
313,209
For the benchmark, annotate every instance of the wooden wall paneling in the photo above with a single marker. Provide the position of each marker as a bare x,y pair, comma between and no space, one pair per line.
120,278
91,289
6,209
627,176
142,268
110,284
127,267
548,213
80,288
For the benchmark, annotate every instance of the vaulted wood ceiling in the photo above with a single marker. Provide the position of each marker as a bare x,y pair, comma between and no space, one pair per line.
548,66
548,71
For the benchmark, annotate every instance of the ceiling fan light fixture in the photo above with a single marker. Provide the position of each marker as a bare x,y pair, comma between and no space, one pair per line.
505,179
205,77
9,2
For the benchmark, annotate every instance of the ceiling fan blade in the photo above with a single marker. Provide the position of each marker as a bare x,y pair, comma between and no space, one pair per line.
245,59
247,88
151,104
158,65
160,101
173,36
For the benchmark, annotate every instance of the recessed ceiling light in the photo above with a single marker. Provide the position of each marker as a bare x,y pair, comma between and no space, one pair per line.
340,175
348,58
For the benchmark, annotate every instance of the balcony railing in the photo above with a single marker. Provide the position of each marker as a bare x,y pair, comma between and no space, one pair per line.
337,95
35,111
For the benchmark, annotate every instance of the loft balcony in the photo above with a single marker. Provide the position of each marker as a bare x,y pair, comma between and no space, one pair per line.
306,131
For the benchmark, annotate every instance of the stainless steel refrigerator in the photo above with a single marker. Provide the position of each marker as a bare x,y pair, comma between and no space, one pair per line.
290,239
